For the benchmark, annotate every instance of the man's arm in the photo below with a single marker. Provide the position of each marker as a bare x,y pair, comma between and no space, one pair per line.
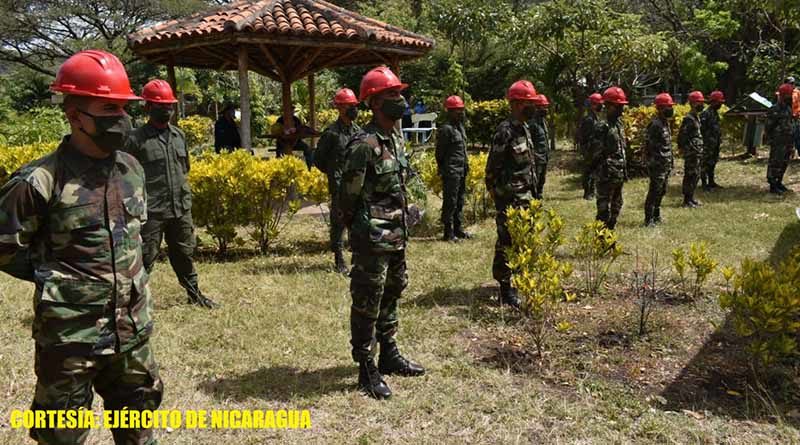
353,174
21,211
324,152
494,164
443,138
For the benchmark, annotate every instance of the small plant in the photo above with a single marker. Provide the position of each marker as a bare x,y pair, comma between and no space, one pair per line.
646,289
539,276
199,131
597,250
764,303
701,264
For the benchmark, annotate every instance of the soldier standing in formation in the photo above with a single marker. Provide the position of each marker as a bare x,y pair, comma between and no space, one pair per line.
511,177
779,133
541,142
712,138
373,206
658,152
609,158
690,143
70,224
329,158
586,132
161,149
451,160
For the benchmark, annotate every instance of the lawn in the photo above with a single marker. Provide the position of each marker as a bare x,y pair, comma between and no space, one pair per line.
281,338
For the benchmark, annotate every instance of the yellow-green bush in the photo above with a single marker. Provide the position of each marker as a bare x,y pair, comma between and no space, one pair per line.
484,117
14,157
764,304
598,248
199,131
699,261
39,125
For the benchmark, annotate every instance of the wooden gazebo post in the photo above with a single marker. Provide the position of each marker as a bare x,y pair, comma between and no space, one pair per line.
244,99
312,107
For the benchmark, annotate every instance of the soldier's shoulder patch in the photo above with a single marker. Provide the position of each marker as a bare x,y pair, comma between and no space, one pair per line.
128,160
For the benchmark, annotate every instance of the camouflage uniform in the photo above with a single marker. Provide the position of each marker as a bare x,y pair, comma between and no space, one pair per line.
164,157
779,133
690,142
541,150
712,138
586,133
372,202
329,158
451,160
511,179
71,225
610,169
658,150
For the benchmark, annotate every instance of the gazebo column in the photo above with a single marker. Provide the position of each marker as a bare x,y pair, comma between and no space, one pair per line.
286,101
174,84
312,106
244,98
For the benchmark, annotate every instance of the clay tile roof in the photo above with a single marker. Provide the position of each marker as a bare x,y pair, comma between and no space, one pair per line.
312,19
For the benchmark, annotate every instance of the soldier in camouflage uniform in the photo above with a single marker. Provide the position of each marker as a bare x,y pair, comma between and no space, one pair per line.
658,152
690,143
70,222
161,149
329,158
609,162
452,165
712,138
779,137
373,205
540,134
511,177
585,140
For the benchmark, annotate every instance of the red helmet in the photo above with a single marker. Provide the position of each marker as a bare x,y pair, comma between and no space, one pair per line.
454,103
786,89
378,80
158,91
664,100
596,98
521,90
717,96
542,100
615,95
345,96
696,97
94,73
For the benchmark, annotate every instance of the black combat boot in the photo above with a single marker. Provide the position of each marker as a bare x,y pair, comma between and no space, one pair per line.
341,264
711,182
202,301
774,189
705,182
649,221
371,382
694,201
782,187
459,232
657,215
612,223
448,234
508,296
688,202
391,362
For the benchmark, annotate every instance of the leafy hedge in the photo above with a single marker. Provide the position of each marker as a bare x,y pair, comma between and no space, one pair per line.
199,132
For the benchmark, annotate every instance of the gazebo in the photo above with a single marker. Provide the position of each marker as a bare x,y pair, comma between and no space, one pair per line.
285,40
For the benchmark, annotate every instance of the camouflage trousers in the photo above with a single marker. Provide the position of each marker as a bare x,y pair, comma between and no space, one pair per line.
454,188
180,238
541,173
587,175
710,159
659,180
778,163
337,226
376,282
691,172
500,270
609,200
65,377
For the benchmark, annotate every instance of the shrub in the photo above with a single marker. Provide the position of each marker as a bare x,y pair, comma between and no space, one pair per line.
700,263
538,275
478,199
199,132
484,117
39,125
764,304
12,158
597,250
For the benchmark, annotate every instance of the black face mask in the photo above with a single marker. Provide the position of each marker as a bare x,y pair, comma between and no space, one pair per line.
160,115
597,108
699,108
529,112
456,116
614,111
669,112
716,106
111,132
352,113
394,108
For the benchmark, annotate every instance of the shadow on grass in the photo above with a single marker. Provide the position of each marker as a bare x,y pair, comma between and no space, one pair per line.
788,240
479,304
289,266
749,192
281,383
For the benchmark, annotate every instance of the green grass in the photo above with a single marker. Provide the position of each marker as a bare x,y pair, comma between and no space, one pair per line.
281,339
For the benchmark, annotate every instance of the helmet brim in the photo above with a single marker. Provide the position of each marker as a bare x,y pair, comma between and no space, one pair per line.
69,92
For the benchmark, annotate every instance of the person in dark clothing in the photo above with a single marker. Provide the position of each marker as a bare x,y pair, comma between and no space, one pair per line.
226,133
285,143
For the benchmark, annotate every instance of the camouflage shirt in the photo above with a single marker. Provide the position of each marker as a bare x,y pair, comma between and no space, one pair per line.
541,140
690,139
451,150
71,224
586,131
710,128
372,197
510,173
608,150
330,153
779,125
165,160
658,143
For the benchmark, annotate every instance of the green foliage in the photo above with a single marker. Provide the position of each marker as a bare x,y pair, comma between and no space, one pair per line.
40,125
764,303
14,157
484,117
699,262
538,275
698,70
199,132
598,248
